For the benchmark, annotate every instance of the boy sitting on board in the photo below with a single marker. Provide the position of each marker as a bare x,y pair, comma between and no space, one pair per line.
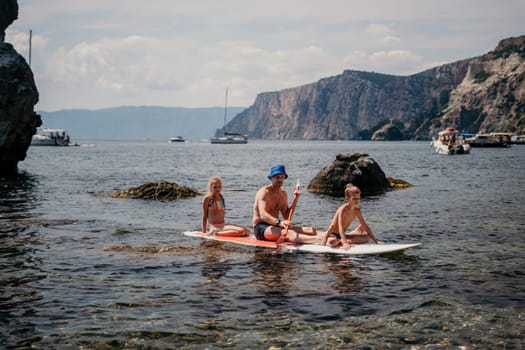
335,235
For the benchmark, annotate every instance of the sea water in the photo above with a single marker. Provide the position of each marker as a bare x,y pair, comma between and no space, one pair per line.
81,271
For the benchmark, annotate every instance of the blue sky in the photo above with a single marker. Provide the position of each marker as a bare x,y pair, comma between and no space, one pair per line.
106,53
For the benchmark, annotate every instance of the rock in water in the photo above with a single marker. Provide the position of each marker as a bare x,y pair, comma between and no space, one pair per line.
160,190
356,168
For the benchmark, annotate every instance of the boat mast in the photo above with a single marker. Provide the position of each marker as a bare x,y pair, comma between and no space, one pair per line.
225,110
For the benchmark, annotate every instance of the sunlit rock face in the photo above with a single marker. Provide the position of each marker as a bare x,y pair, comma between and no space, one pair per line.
480,94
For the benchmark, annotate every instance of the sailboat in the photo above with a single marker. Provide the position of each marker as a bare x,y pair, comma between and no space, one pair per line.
229,137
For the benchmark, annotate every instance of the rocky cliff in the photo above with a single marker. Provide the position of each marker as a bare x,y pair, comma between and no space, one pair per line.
8,13
18,96
477,94
491,96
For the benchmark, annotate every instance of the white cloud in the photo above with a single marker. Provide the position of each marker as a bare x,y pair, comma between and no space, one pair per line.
93,54
400,61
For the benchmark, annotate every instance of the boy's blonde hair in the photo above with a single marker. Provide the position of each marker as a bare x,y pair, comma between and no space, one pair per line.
350,191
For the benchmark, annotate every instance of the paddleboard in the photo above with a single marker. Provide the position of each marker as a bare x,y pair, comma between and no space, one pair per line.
356,249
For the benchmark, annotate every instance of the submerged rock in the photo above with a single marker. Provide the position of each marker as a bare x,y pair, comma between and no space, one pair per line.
356,168
398,183
160,190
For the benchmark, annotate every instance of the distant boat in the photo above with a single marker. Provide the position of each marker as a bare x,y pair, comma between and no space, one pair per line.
232,138
50,137
229,137
489,140
518,139
450,142
177,139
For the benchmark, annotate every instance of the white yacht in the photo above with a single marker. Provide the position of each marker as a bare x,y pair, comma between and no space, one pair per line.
229,137
518,139
177,139
449,141
50,137
492,139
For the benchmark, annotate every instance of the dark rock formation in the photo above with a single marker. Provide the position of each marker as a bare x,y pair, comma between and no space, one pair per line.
389,132
8,14
476,94
160,190
18,96
356,168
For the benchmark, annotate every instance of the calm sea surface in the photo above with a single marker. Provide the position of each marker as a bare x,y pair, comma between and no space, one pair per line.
79,271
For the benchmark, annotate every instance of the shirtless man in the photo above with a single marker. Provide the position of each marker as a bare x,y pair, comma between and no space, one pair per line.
269,202
335,235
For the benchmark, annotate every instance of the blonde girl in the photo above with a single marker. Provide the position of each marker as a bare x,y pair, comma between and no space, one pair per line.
213,212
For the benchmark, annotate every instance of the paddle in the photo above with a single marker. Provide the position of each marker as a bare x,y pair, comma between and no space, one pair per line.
292,209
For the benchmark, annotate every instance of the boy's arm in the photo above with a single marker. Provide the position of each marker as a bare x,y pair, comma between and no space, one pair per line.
341,229
325,236
330,228
365,226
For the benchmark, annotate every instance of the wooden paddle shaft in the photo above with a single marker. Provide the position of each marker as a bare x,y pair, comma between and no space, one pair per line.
290,214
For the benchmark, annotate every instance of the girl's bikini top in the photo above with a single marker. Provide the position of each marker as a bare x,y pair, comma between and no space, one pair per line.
217,205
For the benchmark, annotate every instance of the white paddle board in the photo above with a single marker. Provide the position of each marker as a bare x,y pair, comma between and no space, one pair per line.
356,249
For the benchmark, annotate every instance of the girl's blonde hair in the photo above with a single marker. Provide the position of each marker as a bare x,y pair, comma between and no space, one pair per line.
211,181
351,190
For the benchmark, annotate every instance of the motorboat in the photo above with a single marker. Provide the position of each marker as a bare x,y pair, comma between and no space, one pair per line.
518,139
489,140
50,137
449,142
177,139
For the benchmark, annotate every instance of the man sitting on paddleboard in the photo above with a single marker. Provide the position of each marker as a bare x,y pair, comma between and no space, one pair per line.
335,235
272,200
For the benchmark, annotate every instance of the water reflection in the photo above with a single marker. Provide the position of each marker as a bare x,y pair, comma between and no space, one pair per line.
215,265
274,275
17,198
342,267
18,267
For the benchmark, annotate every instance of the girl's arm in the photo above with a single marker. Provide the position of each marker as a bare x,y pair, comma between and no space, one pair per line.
205,202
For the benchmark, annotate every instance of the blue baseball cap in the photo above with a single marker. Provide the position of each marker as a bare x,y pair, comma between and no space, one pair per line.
278,170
